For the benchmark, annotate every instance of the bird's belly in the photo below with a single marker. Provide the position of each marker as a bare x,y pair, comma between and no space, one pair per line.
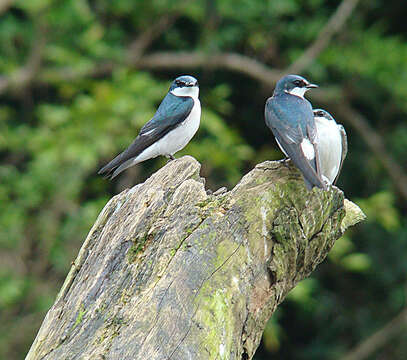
330,150
178,138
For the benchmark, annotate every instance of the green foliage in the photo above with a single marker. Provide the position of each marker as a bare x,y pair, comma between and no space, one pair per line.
380,208
86,103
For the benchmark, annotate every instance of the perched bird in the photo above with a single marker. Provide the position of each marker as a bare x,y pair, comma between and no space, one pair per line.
332,145
289,116
170,130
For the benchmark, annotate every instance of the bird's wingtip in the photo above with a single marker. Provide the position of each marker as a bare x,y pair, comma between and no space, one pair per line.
102,170
105,173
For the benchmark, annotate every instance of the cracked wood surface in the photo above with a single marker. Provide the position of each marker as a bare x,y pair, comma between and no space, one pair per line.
169,272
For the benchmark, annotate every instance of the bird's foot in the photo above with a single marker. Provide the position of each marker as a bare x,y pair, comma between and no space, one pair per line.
170,158
285,161
327,183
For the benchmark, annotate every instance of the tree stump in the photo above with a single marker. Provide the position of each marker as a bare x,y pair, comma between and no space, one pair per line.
170,272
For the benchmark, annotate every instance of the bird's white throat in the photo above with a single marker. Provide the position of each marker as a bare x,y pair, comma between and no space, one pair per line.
323,120
192,91
297,91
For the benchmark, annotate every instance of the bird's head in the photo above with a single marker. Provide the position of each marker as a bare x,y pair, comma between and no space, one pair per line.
320,113
294,85
185,85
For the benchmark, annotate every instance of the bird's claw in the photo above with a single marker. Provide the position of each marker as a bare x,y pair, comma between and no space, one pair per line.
170,158
285,161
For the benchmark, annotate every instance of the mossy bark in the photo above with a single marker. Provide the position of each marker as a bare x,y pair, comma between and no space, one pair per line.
169,272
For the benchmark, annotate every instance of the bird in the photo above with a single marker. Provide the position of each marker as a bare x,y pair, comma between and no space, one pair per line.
290,118
174,124
332,145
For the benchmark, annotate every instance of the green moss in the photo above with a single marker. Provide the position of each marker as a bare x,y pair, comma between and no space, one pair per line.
189,230
353,215
216,315
125,296
80,316
102,308
138,247
216,308
100,339
211,204
204,203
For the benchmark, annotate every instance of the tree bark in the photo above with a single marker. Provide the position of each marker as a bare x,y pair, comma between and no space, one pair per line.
170,272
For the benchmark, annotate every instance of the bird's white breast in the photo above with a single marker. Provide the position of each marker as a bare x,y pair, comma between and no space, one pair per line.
178,138
329,143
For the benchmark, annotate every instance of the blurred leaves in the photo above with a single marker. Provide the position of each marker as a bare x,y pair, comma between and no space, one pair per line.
381,208
11,290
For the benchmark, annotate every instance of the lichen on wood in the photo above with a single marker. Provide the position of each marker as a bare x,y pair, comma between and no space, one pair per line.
170,272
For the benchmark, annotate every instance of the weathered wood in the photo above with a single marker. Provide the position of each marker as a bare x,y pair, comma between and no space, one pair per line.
169,272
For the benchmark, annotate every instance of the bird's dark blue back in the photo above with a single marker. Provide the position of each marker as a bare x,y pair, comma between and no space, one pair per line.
288,114
172,111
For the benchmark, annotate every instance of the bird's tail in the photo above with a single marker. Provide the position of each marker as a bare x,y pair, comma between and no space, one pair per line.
308,184
307,168
115,167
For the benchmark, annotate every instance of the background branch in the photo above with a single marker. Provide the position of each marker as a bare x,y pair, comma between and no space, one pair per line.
5,5
23,77
374,141
379,338
230,61
144,40
332,27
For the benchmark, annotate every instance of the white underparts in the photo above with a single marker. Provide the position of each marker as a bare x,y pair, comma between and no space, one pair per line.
308,149
329,145
192,91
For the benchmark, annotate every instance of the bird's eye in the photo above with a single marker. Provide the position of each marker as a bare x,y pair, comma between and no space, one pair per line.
179,82
299,83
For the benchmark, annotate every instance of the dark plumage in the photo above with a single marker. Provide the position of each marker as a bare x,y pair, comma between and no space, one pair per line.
291,120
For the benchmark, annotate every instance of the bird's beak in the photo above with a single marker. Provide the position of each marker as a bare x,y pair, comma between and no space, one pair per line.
311,86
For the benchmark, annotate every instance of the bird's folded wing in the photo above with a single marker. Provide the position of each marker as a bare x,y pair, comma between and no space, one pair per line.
297,156
290,135
276,117
172,112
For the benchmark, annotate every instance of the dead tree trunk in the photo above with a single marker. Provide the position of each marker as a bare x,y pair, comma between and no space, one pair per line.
169,272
